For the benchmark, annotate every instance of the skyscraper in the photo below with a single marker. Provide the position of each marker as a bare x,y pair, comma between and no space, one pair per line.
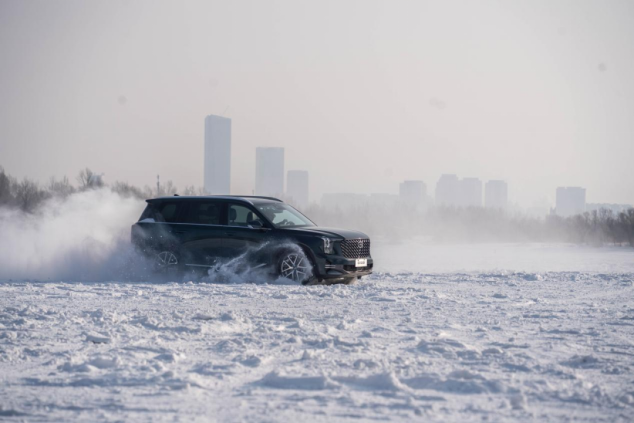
570,201
297,187
447,191
471,192
412,192
495,194
269,171
217,155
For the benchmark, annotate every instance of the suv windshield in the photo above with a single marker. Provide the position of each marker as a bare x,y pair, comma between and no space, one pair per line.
283,216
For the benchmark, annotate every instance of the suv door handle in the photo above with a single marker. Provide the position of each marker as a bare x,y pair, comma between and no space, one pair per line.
179,232
230,234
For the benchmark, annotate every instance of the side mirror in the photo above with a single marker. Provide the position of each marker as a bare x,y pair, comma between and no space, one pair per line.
255,224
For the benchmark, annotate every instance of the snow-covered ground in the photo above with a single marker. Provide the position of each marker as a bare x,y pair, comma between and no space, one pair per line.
501,339
419,255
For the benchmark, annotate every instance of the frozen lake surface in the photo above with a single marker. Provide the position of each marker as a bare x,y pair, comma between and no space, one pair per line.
468,333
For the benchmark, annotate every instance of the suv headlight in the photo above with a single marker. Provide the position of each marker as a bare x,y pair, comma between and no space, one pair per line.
329,245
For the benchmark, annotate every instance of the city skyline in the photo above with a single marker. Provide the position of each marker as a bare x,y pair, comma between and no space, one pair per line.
544,103
270,165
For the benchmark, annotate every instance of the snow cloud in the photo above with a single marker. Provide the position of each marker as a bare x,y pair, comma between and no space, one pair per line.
84,236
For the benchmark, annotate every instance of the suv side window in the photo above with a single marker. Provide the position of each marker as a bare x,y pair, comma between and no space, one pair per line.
162,212
205,213
149,213
241,215
169,212
288,219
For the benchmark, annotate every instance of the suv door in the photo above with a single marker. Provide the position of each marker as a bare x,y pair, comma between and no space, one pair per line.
157,229
241,236
201,232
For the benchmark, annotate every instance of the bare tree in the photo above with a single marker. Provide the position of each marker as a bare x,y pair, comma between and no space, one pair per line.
61,188
189,190
615,228
89,180
6,197
627,220
126,190
84,177
28,195
148,192
167,189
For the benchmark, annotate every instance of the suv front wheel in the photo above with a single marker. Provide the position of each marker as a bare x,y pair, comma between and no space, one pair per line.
296,267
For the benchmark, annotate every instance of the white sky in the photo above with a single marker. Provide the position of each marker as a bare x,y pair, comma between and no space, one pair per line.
361,94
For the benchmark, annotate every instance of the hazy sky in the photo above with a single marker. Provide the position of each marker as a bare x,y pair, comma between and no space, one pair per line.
361,94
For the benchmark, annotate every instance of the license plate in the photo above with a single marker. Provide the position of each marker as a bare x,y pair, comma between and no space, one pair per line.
361,262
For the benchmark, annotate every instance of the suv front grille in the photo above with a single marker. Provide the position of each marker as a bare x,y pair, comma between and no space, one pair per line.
355,248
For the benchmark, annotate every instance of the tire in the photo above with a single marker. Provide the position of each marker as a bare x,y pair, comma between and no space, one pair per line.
167,262
295,266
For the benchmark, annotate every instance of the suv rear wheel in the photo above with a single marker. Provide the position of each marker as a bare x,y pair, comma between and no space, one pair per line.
167,262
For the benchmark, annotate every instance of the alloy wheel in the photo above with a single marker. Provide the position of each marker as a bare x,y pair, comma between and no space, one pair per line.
296,268
166,259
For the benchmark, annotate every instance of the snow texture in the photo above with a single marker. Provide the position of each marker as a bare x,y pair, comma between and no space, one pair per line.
469,346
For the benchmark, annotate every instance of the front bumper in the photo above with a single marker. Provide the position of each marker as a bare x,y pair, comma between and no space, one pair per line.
338,267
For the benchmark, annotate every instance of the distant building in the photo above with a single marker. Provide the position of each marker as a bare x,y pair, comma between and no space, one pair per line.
297,187
412,192
343,201
470,192
269,171
496,194
382,200
448,191
217,171
539,208
570,201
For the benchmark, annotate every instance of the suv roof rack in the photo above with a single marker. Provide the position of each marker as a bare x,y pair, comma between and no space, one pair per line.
245,197
254,196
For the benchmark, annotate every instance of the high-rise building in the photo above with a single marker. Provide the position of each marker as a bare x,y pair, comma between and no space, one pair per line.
217,155
448,191
570,201
471,192
269,171
412,192
297,187
495,194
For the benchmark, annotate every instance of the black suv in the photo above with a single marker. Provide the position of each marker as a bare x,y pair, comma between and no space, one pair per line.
194,232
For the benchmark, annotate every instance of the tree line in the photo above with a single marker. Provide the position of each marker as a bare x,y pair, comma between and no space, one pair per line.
478,224
27,195
397,220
